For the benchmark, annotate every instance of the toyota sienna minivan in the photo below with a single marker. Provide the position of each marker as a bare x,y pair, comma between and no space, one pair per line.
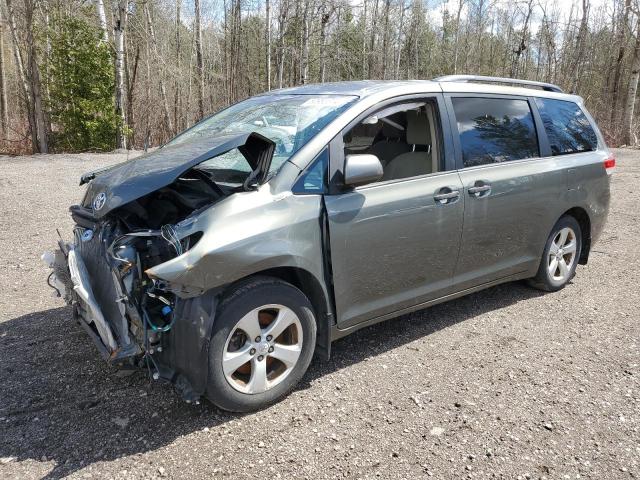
222,261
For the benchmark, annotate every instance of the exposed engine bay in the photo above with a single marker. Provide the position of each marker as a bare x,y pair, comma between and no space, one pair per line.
131,317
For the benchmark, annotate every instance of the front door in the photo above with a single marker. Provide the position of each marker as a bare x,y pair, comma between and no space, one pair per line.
394,243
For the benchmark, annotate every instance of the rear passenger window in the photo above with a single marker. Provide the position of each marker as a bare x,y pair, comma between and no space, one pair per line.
567,127
494,130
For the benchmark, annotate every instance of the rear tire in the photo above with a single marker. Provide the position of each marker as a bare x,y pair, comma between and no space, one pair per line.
560,257
262,343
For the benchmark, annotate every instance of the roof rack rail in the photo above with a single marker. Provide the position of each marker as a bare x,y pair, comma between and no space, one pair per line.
549,87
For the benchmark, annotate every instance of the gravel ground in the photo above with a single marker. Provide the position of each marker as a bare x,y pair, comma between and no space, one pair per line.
506,383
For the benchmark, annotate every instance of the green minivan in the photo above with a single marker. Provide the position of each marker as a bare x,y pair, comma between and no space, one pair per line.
223,260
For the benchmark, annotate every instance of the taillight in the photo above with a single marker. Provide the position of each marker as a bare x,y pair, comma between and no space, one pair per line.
610,164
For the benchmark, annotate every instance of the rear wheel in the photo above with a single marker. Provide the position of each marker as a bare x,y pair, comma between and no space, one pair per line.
560,257
263,340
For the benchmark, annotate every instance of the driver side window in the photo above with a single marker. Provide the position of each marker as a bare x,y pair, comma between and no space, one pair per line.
403,136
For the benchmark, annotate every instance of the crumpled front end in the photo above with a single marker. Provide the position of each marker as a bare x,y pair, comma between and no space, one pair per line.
135,216
130,317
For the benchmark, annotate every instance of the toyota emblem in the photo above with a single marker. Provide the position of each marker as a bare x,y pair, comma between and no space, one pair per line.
99,201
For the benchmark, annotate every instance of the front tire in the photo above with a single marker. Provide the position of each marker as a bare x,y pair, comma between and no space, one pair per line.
560,257
262,343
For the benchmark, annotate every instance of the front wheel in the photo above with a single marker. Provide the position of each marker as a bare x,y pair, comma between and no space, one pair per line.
560,257
263,339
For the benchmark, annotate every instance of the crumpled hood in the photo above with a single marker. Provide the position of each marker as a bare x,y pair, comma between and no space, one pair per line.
118,185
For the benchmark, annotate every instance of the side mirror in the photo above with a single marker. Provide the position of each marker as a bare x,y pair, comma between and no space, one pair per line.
362,169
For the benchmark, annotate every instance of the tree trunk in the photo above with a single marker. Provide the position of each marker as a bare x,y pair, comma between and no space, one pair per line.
177,103
385,38
147,127
34,83
267,41
627,130
324,21
36,94
282,30
163,90
199,65
4,114
236,25
372,41
398,53
304,62
364,40
22,74
457,37
119,26
522,45
580,46
102,19
618,62
131,83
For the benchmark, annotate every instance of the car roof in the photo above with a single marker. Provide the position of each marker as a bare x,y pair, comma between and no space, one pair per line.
360,88
365,88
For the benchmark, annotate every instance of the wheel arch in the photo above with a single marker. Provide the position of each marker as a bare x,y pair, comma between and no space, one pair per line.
582,217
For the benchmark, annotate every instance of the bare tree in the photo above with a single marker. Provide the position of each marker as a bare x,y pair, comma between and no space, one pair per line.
119,26
177,104
457,35
267,41
219,59
324,21
199,64
163,90
30,83
4,114
522,44
34,82
632,90
282,30
578,55
620,40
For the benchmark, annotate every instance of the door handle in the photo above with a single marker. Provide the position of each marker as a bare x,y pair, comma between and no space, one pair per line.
445,197
478,190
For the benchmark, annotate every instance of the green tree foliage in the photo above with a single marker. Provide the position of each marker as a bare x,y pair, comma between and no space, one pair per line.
80,86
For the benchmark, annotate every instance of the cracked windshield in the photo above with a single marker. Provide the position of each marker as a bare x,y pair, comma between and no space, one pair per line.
290,121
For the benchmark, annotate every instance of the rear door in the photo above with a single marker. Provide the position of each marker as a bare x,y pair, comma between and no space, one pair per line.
394,243
511,192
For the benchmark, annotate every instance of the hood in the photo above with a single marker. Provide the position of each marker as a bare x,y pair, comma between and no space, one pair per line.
125,182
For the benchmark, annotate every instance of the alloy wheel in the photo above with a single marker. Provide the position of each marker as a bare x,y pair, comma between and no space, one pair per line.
262,349
562,255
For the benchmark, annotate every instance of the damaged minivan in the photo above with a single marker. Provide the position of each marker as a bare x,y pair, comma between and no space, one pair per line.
223,260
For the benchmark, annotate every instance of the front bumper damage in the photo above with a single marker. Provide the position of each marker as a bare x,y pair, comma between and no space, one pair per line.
138,215
92,314
132,320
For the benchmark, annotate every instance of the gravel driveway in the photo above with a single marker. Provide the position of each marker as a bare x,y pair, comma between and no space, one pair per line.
506,383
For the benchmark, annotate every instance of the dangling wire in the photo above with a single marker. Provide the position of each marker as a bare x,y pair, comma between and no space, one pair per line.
169,234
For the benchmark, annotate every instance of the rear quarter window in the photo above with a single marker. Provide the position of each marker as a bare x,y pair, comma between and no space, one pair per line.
567,127
494,130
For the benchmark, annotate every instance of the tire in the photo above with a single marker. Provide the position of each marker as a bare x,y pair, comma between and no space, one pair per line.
548,278
274,366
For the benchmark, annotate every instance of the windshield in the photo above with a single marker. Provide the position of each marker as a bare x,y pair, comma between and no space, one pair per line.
290,121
